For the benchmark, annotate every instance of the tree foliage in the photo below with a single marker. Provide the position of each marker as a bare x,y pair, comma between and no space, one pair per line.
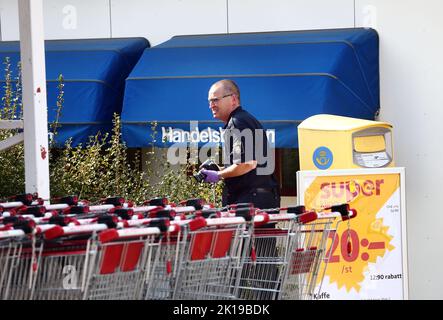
101,168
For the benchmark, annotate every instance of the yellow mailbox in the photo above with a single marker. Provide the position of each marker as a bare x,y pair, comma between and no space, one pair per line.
334,142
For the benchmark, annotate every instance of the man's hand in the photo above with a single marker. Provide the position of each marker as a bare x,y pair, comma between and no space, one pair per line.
211,176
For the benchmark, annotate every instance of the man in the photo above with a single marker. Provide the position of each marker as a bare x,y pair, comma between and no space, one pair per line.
245,143
247,180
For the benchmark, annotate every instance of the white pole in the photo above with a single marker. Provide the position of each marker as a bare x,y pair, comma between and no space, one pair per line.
32,51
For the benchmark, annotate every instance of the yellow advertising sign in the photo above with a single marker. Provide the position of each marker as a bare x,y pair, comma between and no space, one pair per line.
360,254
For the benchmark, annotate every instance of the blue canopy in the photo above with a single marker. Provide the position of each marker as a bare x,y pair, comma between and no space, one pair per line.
94,71
284,78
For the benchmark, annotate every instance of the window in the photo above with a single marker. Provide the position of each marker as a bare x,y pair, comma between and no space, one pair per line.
286,166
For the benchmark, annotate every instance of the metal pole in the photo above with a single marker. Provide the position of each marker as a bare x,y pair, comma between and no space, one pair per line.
32,51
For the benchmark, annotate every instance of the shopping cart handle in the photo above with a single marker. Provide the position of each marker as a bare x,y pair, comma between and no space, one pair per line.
246,213
52,232
174,229
297,210
282,217
162,224
157,202
271,211
225,221
261,219
14,204
101,207
68,200
27,226
11,219
62,221
123,213
108,235
11,234
110,221
345,215
139,222
115,201
207,213
25,199
58,231
241,205
354,213
344,211
169,214
76,209
36,211
197,223
146,208
186,209
196,203
58,206
307,217
113,234
9,213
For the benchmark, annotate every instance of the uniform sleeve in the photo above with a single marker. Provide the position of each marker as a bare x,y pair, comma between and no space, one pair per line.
241,142
238,149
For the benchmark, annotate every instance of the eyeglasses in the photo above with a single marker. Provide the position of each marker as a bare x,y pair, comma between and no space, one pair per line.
216,100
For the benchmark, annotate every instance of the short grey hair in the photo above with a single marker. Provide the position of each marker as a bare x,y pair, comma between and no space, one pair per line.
230,87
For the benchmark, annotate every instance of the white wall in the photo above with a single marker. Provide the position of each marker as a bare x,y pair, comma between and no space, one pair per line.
63,19
155,20
158,21
411,48
265,15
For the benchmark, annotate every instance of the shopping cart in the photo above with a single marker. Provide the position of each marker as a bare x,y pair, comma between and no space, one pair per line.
161,251
308,253
10,251
273,237
120,268
63,265
58,264
286,250
208,267
92,262
167,254
19,257
170,251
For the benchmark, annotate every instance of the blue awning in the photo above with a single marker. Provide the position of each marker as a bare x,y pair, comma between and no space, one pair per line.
284,78
94,71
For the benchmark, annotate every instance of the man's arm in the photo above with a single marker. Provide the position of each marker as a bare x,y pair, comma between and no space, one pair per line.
232,171
236,170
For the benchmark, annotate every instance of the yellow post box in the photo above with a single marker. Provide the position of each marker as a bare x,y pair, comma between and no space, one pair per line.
335,142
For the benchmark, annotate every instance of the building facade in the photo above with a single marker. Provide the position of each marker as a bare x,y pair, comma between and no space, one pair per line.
410,72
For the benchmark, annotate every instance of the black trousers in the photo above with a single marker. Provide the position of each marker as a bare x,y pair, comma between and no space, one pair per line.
261,198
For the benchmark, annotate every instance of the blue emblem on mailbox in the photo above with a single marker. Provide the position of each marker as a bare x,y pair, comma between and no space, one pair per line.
322,158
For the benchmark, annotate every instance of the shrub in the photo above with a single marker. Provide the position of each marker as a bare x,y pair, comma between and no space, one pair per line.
101,168
12,166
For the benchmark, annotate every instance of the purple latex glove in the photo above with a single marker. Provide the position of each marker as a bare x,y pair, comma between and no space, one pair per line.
211,176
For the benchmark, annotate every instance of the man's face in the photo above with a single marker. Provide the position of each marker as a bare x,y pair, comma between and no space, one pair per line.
220,103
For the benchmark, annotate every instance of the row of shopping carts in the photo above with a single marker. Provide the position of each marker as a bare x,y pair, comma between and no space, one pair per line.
116,250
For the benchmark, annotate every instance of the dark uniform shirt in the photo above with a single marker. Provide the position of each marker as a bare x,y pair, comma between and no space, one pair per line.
244,145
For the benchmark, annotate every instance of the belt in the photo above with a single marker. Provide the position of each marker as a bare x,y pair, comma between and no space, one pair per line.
271,190
264,189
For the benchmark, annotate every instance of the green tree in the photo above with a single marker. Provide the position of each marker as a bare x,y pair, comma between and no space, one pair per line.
101,168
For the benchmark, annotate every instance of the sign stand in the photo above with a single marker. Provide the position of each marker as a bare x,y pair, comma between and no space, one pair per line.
368,258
